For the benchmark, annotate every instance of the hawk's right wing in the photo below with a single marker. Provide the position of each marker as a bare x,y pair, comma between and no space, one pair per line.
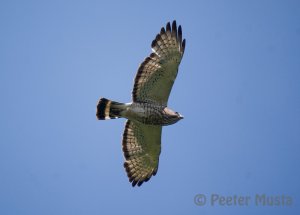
141,147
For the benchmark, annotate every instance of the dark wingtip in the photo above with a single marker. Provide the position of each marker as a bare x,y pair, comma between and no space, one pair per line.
174,26
183,45
134,183
158,37
174,29
168,27
179,31
153,44
153,55
154,172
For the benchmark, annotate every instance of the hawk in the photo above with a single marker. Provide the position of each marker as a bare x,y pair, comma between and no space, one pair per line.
148,111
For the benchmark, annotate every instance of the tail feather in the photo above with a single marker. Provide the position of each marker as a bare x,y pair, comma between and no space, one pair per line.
107,109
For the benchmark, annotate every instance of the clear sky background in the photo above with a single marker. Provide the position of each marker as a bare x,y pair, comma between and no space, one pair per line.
238,87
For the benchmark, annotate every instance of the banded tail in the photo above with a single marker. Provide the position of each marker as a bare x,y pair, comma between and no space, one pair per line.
107,109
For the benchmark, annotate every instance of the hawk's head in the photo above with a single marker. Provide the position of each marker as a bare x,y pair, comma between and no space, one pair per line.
172,116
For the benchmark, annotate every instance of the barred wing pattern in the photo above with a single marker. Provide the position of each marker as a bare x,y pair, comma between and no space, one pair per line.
152,84
156,75
141,147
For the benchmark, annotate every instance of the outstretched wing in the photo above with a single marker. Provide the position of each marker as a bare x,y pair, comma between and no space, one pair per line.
156,75
141,147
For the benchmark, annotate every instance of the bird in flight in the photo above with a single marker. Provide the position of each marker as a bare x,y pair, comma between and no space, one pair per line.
148,111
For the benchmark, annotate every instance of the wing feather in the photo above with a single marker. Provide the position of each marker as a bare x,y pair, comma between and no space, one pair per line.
141,148
157,73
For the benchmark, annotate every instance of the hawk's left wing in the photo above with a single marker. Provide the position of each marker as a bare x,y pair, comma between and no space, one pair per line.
141,147
156,75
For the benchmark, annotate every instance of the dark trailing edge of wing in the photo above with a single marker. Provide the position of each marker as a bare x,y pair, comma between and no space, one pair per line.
139,73
131,178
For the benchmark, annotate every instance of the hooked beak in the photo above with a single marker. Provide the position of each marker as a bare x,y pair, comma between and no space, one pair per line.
180,116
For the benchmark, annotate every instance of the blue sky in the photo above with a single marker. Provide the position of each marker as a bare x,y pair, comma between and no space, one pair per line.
238,88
